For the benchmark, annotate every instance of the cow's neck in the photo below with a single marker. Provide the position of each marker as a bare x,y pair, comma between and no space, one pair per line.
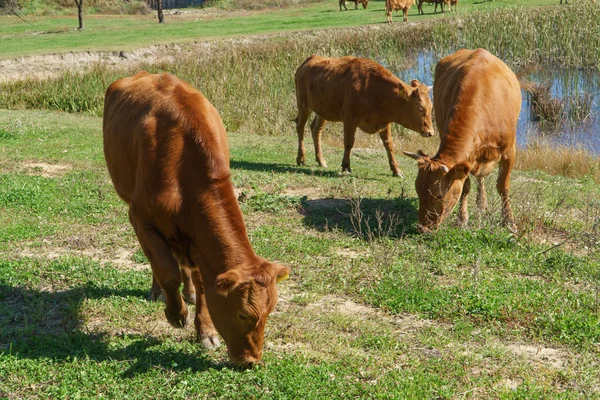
401,97
220,231
456,145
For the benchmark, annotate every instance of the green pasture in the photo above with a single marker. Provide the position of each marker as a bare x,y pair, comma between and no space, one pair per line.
56,34
372,309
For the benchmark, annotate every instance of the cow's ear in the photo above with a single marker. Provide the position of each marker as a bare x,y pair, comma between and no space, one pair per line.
415,83
265,276
281,272
460,171
228,281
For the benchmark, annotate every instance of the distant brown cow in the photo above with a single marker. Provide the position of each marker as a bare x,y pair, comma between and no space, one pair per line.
436,2
395,5
363,2
453,5
167,154
477,101
362,94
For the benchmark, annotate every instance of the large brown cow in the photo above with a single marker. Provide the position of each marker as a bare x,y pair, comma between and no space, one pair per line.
477,101
167,154
395,5
362,94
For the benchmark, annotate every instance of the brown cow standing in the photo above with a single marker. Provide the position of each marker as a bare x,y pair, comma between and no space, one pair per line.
395,5
362,94
453,5
436,2
168,157
363,2
477,101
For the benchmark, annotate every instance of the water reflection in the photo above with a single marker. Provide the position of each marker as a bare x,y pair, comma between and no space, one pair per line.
563,84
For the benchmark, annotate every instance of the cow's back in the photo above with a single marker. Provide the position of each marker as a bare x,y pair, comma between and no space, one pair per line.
162,140
475,92
325,85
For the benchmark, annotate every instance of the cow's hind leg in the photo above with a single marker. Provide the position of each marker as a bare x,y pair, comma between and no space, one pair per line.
481,198
405,13
386,137
463,212
301,119
205,330
189,289
349,133
503,185
189,292
316,127
164,267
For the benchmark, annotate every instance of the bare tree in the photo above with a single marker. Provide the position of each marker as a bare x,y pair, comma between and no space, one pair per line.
80,13
159,7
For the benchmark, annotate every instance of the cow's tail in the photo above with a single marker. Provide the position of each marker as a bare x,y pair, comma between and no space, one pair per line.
526,85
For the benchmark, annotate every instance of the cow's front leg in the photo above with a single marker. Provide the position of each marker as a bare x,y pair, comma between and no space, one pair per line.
164,267
349,133
388,144
316,128
503,187
481,198
405,13
463,211
205,330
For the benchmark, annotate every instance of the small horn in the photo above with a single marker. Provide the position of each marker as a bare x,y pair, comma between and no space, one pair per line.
415,156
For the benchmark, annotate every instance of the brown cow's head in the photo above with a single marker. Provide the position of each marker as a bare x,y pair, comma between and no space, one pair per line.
438,188
420,108
239,305
364,3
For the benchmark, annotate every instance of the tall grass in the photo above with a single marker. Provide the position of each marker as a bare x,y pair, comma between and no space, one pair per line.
250,81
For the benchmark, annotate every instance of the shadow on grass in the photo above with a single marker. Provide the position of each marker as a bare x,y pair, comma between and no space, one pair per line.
282,168
38,324
398,215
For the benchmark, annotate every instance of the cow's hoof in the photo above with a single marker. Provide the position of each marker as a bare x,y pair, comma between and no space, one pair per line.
300,162
180,321
398,173
209,342
346,170
156,295
322,164
189,298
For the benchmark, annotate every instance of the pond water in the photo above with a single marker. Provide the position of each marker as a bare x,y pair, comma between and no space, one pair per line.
564,84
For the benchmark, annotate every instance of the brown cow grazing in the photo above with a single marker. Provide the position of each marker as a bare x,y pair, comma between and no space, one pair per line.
395,5
436,2
363,2
477,101
362,94
167,154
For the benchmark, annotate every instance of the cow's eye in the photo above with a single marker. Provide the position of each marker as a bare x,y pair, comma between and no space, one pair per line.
243,317
421,109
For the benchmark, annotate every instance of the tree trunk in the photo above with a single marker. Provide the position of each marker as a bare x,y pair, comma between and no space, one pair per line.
161,17
80,13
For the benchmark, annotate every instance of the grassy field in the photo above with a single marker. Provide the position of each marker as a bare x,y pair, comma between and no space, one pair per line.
54,34
372,309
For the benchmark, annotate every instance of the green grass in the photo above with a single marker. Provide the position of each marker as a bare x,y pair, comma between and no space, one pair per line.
129,32
386,313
